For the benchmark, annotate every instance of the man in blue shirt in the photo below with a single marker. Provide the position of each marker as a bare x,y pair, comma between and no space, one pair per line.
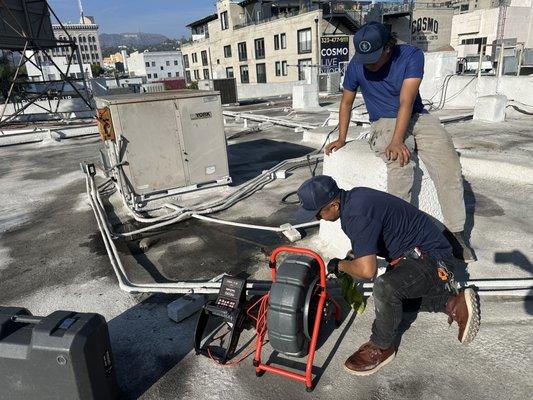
380,224
389,76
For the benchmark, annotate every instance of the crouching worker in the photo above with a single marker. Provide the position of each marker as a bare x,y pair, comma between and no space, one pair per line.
380,224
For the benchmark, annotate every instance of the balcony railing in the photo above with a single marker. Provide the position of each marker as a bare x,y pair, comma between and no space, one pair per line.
269,19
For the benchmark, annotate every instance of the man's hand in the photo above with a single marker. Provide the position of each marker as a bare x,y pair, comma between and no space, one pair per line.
333,267
398,150
334,146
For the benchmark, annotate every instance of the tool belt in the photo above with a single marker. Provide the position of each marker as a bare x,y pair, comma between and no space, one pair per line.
443,272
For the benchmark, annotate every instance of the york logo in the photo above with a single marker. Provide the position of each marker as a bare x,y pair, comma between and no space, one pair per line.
201,115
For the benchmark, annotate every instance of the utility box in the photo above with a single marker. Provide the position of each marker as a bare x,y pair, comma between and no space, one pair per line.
227,87
164,143
65,355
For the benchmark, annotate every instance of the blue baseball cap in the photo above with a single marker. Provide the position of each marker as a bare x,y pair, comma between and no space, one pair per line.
314,194
369,41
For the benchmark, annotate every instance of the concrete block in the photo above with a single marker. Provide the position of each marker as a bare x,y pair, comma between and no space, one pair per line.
185,306
490,108
356,165
305,97
291,233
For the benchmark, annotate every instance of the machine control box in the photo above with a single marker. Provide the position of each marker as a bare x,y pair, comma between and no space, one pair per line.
227,311
230,292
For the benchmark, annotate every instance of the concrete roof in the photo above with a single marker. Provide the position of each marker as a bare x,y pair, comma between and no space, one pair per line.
52,257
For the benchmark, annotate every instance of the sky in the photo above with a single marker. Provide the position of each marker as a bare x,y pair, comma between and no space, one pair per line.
167,17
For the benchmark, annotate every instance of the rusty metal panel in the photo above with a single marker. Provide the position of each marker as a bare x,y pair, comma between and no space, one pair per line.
105,123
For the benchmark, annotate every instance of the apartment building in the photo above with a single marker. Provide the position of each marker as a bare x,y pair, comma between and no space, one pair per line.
156,65
472,30
260,42
85,35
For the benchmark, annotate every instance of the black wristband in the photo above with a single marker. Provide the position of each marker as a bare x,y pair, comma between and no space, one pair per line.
333,266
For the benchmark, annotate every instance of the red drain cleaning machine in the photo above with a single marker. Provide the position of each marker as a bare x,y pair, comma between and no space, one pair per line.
292,313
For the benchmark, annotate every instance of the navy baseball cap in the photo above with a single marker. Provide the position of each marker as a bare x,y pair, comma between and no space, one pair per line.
314,194
369,41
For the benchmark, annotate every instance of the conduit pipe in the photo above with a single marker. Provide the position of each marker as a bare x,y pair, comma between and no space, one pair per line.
487,287
273,120
181,213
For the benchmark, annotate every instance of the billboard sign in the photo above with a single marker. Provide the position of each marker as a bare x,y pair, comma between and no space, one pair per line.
333,51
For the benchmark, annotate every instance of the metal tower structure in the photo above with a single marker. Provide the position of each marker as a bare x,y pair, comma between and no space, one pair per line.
26,29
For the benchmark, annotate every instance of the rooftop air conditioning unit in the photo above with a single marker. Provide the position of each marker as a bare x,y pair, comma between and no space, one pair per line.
161,144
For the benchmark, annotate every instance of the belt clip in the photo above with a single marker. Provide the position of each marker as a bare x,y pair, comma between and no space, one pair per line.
417,252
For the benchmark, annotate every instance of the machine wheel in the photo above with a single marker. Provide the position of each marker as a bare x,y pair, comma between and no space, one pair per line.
292,305
259,374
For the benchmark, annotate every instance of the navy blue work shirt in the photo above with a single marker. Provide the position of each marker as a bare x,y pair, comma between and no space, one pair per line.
379,223
381,89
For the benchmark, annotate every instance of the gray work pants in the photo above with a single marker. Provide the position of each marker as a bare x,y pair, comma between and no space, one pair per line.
435,147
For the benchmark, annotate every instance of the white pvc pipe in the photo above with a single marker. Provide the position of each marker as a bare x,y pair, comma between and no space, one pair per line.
487,287
251,226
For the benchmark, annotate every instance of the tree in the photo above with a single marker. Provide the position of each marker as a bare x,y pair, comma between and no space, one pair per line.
97,70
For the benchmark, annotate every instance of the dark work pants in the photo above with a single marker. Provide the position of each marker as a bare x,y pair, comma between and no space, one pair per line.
410,279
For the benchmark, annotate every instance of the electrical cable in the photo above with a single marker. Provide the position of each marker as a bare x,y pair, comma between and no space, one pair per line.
520,110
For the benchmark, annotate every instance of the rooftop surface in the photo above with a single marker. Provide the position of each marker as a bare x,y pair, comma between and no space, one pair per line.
52,257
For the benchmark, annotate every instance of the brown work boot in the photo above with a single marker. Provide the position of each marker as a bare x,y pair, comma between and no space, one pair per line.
368,359
463,308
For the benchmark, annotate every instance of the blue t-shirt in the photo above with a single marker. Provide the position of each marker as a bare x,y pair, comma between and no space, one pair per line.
379,223
381,89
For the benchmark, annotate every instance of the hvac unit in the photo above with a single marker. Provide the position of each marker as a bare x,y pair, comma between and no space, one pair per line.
160,144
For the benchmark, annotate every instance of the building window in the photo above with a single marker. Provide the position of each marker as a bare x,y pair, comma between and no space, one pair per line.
464,7
149,76
147,64
206,73
186,61
155,75
188,76
177,73
224,20
227,51
153,63
304,41
276,42
175,62
283,39
167,63
194,58
284,71
161,68
301,68
261,73
229,72
204,57
196,74
242,51
260,48
169,74
278,68
244,74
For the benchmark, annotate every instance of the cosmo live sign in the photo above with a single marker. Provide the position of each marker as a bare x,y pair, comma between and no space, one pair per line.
333,50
